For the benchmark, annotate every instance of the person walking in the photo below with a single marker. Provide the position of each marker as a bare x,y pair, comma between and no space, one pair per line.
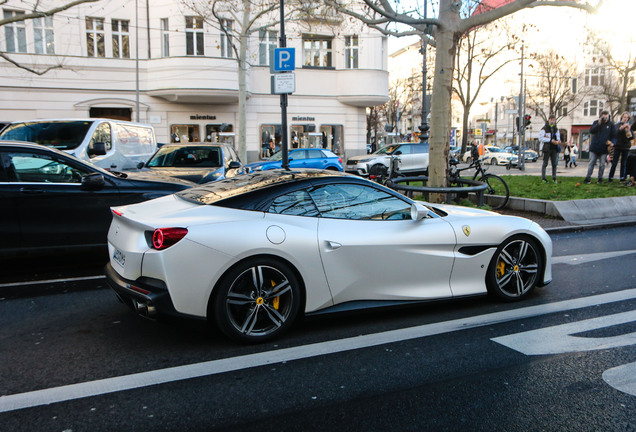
565,146
574,154
549,136
621,149
603,131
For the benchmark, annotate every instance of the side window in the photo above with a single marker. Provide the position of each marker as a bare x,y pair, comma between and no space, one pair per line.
102,134
297,203
37,168
300,154
405,149
315,154
420,148
358,202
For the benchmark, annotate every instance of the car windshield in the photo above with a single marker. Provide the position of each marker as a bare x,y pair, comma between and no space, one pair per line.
275,157
63,135
187,157
495,150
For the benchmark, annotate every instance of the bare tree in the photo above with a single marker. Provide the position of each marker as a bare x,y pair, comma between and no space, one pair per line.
35,12
454,19
620,79
554,90
479,57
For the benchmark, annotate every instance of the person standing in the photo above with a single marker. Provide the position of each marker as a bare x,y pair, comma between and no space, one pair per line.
574,154
549,136
565,146
621,149
602,131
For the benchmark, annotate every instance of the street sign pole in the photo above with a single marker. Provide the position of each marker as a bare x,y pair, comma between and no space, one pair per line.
283,96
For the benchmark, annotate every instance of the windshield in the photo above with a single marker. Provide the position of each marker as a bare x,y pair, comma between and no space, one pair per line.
187,157
63,135
275,157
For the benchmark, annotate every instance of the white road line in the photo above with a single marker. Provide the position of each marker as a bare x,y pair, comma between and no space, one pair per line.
622,378
162,376
42,282
584,259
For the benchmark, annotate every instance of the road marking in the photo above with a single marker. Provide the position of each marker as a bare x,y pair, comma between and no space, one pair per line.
622,378
162,376
42,282
584,259
559,339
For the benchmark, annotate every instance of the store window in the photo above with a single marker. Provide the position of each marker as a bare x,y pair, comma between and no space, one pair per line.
317,51
183,133
332,138
271,139
121,38
43,35
304,136
220,133
15,32
194,36
95,37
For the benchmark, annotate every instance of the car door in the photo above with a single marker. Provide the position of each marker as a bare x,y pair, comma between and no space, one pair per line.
372,250
316,159
9,221
53,208
298,159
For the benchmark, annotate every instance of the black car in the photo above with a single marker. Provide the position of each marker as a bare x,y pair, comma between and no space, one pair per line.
52,201
195,162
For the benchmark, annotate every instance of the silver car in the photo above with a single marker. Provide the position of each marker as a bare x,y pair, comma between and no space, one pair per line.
412,159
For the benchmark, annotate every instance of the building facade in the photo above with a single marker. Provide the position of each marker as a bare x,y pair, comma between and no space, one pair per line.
159,63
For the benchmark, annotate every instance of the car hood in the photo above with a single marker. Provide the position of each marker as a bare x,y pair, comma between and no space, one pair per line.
143,176
366,157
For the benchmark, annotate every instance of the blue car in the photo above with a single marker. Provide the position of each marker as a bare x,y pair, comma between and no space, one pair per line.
301,158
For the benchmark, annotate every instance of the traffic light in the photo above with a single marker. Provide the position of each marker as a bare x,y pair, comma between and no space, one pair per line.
517,122
526,121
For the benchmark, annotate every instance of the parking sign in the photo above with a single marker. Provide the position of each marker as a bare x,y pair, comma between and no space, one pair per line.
284,59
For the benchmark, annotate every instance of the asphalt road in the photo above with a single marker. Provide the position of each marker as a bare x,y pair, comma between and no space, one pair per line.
74,359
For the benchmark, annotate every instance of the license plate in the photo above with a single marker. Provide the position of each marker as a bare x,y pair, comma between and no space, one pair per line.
119,257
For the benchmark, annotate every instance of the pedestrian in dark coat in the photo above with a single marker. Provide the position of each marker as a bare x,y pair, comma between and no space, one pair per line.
551,139
621,149
603,133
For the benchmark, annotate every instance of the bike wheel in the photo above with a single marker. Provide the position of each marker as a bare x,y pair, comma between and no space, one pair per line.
496,186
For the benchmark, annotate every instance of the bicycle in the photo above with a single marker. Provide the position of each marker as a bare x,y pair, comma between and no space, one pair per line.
496,185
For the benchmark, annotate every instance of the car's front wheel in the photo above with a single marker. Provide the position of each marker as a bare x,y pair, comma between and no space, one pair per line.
515,268
257,300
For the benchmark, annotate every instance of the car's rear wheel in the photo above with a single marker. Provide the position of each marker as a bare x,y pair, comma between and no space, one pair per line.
257,300
493,161
515,269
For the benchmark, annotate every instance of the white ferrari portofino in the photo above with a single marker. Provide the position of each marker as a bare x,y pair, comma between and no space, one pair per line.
253,252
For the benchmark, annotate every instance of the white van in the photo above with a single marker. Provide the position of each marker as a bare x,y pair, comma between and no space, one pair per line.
109,144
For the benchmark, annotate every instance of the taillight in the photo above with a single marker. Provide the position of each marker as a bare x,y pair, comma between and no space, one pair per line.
117,212
163,238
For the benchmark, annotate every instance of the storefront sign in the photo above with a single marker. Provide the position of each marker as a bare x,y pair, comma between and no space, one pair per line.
303,118
202,117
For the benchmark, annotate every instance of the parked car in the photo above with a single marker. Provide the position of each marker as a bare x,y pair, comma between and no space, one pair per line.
492,155
412,160
301,158
195,162
109,144
243,252
52,201
529,155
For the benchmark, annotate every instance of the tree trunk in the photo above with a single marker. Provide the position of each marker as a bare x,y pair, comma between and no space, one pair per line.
242,84
446,38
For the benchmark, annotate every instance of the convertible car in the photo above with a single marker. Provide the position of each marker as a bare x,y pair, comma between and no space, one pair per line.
251,253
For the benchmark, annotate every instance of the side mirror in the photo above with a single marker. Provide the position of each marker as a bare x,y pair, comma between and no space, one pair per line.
94,181
140,165
418,212
233,165
96,149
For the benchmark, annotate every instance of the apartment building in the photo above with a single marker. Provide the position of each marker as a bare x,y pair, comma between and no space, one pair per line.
160,63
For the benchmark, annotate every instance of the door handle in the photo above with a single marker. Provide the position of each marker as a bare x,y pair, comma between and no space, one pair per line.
31,191
333,245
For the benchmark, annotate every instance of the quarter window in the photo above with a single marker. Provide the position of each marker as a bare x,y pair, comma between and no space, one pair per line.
297,203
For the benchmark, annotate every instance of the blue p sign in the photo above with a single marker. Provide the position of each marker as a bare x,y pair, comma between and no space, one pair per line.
284,59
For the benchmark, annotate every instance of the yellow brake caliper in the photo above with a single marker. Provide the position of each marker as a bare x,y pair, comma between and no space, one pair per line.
276,300
501,266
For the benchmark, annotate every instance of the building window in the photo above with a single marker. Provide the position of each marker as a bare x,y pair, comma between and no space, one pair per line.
43,35
165,38
267,41
226,38
121,39
15,32
592,108
317,51
194,36
351,52
562,111
95,37
594,76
